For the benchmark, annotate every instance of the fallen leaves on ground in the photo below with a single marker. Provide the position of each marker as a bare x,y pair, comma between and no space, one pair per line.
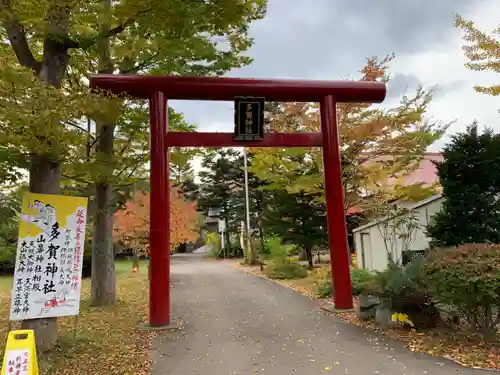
460,347
107,340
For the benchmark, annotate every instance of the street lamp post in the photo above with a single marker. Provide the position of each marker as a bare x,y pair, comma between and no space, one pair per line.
247,201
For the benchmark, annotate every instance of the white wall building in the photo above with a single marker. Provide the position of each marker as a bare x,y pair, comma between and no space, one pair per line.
371,251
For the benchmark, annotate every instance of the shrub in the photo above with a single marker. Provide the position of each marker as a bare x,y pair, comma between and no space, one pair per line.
293,250
323,288
403,290
285,270
232,252
323,282
212,239
321,273
354,262
7,259
275,249
361,280
468,278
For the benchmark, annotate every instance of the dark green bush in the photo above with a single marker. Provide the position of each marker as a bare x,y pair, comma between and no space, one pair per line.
275,249
323,288
468,278
404,290
293,250
361,280
9,228
7,259
285,270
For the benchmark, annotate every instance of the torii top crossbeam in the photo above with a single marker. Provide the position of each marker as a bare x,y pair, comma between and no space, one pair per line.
226,89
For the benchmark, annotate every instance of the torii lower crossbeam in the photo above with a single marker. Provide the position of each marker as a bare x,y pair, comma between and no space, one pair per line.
157,89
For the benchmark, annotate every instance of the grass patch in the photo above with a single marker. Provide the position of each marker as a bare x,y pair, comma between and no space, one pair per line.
5,284
125,266
107,339
285,271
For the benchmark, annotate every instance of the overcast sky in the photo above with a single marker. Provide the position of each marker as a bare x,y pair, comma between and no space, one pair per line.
330,39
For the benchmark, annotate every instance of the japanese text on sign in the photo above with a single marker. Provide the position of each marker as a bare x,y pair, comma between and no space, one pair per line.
17,362
49,259
249,118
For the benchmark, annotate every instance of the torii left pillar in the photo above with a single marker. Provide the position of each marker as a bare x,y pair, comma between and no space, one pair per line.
159,257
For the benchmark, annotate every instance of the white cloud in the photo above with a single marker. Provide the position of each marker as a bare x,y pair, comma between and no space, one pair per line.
427,47
445,67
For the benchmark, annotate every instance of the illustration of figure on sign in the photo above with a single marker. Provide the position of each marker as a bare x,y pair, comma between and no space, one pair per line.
60,300
45,218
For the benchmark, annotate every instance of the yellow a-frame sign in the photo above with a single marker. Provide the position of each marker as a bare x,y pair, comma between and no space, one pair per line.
20,354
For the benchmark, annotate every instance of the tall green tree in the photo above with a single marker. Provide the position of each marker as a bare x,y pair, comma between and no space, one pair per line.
221,188
297,218
470,177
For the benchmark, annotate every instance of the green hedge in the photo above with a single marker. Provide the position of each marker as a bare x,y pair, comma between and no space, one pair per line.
285,270
361,281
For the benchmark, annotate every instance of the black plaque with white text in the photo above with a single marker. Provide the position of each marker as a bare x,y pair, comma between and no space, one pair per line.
249,118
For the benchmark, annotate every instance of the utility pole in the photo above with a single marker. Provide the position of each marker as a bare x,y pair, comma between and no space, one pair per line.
247,206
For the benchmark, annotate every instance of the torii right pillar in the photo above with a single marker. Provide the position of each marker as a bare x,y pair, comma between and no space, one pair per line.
340,259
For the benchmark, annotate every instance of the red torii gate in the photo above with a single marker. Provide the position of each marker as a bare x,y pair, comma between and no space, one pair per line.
157,89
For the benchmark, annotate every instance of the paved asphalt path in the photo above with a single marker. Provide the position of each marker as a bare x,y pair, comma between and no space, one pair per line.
234,323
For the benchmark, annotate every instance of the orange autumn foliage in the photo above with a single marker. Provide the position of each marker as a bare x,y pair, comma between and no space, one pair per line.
131,224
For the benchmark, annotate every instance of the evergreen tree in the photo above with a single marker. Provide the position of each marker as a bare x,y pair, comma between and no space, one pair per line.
221,188
470,177
297,218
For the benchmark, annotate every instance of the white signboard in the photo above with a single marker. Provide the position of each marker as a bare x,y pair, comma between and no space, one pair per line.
49,259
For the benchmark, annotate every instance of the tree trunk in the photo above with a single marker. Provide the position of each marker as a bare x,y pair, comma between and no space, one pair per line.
103,259
227,243
45,178
318,254
252,256
303,255
309,256
135,260
227,237
250,251
261,237
182,248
